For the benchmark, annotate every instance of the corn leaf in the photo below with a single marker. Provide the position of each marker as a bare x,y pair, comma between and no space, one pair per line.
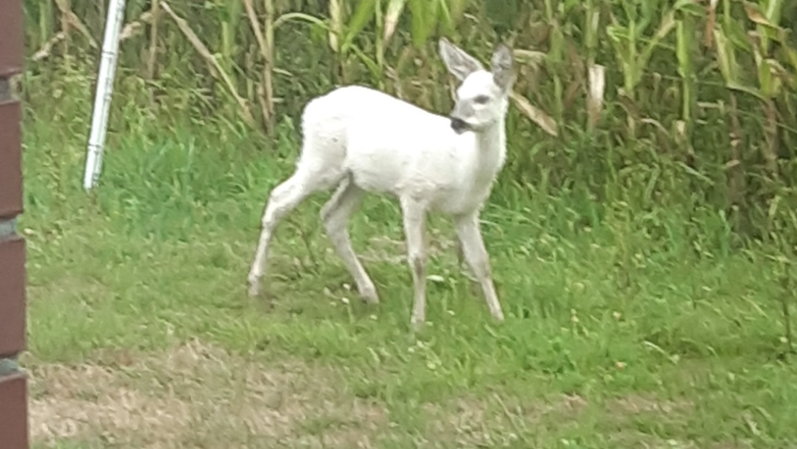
597,87
361,16
335,24
774,10
530,57
369,62
291,16
667,24
456,9
424,20
446,20
392,16
546,122
684,45
791,57
726,56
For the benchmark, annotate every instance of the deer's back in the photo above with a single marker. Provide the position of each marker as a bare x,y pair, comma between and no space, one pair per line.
388,144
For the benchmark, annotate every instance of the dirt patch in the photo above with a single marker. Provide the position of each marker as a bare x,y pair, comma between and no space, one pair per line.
197,395
497,421
638,403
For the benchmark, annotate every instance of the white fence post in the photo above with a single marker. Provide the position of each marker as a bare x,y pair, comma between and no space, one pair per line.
102,98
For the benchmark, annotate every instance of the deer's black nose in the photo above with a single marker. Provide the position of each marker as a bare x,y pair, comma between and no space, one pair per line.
458,125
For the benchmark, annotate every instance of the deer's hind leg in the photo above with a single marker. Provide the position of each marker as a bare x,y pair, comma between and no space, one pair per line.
336,214
282,200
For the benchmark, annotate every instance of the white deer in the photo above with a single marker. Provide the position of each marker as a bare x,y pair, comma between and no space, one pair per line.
362,140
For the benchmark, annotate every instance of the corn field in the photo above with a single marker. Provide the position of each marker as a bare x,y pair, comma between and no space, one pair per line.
651,101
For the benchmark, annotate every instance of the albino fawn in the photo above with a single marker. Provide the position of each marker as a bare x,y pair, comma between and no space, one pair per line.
362,140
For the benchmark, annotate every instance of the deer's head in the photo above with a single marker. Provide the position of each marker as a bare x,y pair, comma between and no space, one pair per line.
481,98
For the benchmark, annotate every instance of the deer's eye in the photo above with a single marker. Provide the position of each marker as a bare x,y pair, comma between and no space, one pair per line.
481,99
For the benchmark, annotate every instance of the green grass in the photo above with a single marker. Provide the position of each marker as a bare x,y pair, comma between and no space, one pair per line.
626,327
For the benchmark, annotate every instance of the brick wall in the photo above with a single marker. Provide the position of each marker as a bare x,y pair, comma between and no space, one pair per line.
13,382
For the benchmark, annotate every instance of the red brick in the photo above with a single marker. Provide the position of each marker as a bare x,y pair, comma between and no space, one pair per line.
11,43
13,411
10,157
12,296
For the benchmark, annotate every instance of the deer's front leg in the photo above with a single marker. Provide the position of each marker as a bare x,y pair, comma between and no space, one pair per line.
414,220
475,253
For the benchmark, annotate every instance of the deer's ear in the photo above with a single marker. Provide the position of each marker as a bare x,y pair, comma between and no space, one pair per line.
502,67
458,63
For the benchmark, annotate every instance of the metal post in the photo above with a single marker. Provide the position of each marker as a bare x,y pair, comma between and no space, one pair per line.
102,98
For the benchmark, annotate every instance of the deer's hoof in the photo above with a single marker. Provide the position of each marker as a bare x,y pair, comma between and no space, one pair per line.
416,323
370,296
254,288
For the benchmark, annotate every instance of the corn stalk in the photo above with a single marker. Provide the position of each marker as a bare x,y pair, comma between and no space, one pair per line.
216,69
229,13
729,69
268,66
766,15
633,49
769,73
152,56
264,36
343,30
685,32
596,73
555,58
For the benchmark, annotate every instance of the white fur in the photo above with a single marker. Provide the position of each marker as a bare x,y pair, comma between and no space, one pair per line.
362,140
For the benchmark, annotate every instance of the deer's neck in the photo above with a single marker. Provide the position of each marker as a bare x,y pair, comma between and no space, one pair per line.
490,152
492,139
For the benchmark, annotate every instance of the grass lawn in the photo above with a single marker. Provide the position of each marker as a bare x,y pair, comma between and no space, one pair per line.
625,328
